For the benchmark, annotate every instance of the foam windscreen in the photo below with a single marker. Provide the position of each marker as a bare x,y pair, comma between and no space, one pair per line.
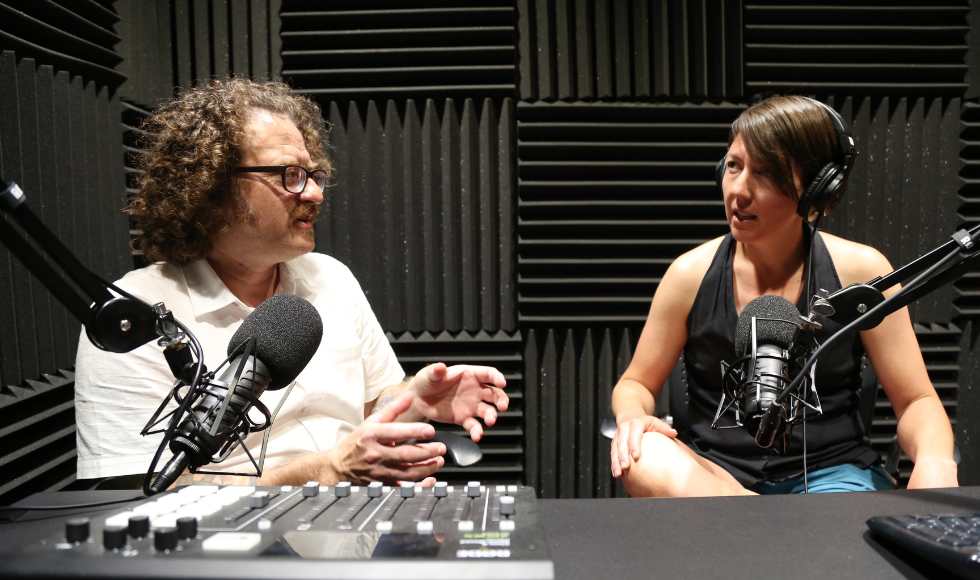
783,320
288,330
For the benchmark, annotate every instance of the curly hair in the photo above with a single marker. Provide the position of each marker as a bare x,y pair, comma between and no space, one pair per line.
189,148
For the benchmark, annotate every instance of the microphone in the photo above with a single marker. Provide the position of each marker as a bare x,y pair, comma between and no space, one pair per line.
776,323
288,331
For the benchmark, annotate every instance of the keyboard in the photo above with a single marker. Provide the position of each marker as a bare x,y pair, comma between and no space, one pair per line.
949,541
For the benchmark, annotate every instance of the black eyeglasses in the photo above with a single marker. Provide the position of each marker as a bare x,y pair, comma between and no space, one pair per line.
293,176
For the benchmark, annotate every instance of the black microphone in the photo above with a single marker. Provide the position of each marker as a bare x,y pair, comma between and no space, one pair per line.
776,321
288,331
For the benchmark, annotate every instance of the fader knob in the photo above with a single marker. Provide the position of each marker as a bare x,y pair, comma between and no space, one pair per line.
473,489
114,537
187,528
139,526
165,538
408,489
342,489
76,530
311,489
507,505
374,489
440,490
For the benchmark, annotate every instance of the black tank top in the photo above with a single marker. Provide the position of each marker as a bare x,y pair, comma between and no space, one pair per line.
837,437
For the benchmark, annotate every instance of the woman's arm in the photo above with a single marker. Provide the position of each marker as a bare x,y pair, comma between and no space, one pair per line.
923,428
656,354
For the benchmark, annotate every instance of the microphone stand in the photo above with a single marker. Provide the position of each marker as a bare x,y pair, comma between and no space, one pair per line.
863,306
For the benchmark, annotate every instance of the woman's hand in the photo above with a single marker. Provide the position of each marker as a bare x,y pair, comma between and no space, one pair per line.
625,446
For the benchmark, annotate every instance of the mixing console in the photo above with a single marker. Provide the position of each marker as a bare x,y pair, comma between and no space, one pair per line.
356,532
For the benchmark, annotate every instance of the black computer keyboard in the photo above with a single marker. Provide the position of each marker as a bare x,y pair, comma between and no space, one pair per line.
950,541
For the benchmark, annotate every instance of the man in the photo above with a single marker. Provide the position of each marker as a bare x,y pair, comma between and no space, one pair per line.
233,173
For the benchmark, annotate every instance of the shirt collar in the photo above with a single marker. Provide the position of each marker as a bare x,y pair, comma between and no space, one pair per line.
205,289
209,294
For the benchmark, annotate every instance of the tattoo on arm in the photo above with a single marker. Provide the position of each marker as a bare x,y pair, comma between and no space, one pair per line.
386,397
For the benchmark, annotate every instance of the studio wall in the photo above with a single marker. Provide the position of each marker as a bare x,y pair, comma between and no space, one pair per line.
512,177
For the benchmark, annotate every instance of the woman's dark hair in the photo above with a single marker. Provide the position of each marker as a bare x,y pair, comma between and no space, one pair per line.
785,129
189,147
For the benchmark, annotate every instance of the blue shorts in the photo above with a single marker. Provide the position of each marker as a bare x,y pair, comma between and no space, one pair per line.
832,479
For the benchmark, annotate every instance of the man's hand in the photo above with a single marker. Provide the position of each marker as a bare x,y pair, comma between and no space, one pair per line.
369,453
625,447
459,394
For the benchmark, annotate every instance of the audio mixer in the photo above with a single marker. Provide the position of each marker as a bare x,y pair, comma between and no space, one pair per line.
341,532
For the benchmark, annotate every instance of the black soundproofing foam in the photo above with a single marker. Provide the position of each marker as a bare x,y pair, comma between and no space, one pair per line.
864,48
609,195
968,288
60,140
503,444
422,210
630,49
902,194
569,375
177,43
377,50
76,36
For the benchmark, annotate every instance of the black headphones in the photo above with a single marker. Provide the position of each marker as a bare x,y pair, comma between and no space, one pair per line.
827,188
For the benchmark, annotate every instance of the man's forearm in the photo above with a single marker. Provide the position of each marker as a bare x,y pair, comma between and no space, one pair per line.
390,394
297,471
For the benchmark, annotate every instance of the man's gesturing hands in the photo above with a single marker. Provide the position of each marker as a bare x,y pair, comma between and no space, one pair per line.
459,394
370,452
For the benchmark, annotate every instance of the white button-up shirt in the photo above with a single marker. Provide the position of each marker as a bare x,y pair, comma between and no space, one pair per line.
116,394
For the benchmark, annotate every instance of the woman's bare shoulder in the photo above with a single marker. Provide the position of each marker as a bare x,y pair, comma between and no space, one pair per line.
689,268
855,263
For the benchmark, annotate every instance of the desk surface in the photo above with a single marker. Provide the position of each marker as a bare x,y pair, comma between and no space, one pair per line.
813,536
816,536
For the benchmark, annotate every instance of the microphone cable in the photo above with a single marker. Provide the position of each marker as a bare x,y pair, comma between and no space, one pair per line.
181,410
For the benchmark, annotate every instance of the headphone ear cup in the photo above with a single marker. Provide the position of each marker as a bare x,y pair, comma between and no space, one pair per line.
820,191
720,170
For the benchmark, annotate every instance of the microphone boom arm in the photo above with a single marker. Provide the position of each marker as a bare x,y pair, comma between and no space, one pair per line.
113,323
931,276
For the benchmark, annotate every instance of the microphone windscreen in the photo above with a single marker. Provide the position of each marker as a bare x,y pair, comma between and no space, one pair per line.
287,330
773,331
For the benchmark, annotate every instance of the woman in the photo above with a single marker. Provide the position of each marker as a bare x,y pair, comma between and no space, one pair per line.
776,148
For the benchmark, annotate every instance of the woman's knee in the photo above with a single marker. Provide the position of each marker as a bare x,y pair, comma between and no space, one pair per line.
662,464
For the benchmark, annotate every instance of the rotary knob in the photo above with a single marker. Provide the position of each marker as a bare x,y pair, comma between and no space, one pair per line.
139,526
114,537
76,530
165,538
187,528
